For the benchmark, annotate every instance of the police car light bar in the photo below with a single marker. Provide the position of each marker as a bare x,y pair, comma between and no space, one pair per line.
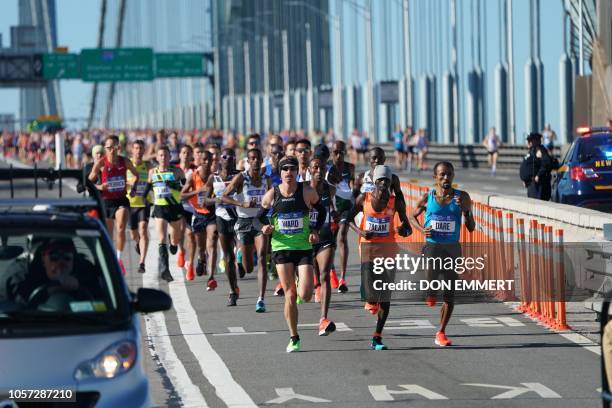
583,130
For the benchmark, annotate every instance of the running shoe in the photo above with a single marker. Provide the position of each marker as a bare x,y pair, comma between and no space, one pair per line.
173,249
200,268
279,291
241,271
141,268
222,265
333,278
238,255
260,306
167,276
137,248
372,307
326,327
211,285
377,344
430,300
189,275
293,346
342,288
122,267
441,340
232,299
180,260
299,300
318,294
237,291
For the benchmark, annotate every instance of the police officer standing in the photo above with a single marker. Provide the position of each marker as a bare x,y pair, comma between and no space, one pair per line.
536,169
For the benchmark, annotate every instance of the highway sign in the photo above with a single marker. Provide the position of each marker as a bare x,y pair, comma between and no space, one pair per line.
179,64
119,64
60,66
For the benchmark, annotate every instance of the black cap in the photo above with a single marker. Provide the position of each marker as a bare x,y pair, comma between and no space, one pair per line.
321,150
288,161
533,136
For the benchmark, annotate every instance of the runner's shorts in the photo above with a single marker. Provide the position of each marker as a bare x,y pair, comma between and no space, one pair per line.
113,205
187,216
319,246
225,227
442,250
199,222
296,257
247,229
170,213
138,214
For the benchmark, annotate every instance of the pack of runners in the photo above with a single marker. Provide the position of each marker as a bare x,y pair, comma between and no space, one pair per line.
283,214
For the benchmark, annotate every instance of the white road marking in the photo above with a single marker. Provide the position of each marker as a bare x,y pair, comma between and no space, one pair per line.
287,394
382,393
162,349
409,324
339,326
510,321
211,364
540,389
238,331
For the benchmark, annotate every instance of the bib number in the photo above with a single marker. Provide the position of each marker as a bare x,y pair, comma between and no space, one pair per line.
162,191
115,184
292,223
379,226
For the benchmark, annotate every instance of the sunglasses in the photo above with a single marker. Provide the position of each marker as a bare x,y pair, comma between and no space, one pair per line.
109,147
227,156
277,152
289,168
302,150
57,256
254,143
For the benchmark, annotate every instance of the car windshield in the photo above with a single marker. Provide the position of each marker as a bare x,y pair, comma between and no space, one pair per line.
56,276
596,147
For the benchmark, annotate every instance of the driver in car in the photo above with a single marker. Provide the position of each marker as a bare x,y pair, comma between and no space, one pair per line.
52,268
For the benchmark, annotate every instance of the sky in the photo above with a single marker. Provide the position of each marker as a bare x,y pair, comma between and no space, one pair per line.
78,24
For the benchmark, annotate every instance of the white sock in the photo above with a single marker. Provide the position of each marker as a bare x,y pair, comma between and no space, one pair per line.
260,299
118,254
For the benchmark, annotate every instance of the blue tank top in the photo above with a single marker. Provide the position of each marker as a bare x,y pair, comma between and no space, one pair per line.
398,138
445,220
275,177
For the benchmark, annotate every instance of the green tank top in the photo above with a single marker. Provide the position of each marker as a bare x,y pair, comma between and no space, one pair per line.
165,185
290,219
139,200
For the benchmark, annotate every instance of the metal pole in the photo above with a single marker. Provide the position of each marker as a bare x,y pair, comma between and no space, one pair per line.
287,107
581,39
247,87
232,96
510,50
338,119
455,68
266,84
217,77
407,64
370,66
311,108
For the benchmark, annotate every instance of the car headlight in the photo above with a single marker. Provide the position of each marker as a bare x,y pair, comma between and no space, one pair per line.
115,360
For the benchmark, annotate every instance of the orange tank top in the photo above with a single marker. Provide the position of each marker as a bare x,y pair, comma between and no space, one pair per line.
197,201
382,223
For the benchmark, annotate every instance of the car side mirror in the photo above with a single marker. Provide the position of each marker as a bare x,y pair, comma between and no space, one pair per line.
151,300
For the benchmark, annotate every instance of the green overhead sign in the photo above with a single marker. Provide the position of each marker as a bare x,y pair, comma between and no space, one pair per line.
60,66
117,64
179,64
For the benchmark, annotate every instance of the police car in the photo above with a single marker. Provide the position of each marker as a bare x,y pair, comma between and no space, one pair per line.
70,329
585,176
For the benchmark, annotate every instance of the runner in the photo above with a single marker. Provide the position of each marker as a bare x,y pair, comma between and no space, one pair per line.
225,219
341,174
139,203
492,143
272,171
323,251
253,142
443,207
215,151
378,226
167,210
186,163
203,224
248,188
112,170
365,184
290,148
420,149
292,240
303,149
398,143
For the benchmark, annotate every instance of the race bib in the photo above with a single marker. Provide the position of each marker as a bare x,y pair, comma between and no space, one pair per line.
201,198
443,225
313,217
379,226
162,191
139,188
256,194
115,184
291,223
367,187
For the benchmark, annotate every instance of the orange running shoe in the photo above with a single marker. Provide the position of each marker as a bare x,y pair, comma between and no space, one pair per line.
441,340
180,261
430,300
372,307
326,326
333,279
211,285
318,294
189,275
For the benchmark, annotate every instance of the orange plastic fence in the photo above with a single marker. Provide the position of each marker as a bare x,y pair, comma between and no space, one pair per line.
532,258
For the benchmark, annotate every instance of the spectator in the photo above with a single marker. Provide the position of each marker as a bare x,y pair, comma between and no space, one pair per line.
548,138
